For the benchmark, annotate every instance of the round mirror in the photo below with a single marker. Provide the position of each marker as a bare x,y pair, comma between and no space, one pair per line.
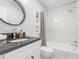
12,12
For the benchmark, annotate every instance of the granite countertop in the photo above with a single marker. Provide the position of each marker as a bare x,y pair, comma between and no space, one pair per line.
8,47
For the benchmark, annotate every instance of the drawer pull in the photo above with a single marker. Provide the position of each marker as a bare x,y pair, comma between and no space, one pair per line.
32,57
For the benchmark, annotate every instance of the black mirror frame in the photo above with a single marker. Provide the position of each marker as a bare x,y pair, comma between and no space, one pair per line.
24,14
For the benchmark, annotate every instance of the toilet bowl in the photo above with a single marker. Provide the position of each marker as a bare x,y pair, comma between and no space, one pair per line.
46,52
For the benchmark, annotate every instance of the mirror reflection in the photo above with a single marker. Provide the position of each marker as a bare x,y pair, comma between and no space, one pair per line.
12,12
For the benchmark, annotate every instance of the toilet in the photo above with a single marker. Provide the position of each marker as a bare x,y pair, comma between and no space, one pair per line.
46,52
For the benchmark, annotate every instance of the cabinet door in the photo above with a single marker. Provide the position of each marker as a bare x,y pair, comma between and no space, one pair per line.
34,55
1,56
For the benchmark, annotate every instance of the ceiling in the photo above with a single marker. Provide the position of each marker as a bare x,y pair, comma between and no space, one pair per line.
51,4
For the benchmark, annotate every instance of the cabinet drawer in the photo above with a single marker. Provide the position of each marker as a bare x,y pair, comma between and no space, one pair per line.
22,52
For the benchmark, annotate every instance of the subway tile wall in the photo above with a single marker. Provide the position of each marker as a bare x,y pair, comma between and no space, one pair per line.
62,24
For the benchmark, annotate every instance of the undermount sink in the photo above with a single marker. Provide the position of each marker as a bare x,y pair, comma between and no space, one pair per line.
19,40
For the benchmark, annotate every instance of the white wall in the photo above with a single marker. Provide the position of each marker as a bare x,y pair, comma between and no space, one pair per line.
61,24
29,26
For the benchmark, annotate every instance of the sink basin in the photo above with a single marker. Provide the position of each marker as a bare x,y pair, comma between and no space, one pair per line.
19,40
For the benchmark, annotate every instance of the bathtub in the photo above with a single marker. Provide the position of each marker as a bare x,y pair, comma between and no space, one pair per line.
63,51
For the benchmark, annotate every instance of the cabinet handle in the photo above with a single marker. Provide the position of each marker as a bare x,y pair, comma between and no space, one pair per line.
32,57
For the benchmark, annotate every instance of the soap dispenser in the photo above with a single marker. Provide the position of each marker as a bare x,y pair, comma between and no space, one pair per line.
21,34
14,35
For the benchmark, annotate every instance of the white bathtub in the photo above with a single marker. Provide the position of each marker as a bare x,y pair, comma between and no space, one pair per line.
64,51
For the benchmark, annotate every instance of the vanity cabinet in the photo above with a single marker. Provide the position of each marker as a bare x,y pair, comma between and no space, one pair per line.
34,55
29,51
1,56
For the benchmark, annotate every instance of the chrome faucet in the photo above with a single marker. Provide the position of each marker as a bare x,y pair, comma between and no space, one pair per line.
75,43
14,33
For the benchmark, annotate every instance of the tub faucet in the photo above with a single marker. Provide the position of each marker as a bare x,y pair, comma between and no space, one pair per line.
75,43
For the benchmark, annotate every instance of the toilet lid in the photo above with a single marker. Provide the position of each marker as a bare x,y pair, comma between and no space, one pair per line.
47,49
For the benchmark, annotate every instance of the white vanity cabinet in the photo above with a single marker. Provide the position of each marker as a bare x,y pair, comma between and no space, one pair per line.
25,52
1,56
34,54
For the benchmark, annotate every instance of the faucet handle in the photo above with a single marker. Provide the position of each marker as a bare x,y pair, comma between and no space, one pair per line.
75,41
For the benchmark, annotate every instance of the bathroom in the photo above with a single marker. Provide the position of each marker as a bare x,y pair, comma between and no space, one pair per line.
50,29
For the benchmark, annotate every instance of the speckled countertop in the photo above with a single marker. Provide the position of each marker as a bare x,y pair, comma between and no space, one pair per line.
8,47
